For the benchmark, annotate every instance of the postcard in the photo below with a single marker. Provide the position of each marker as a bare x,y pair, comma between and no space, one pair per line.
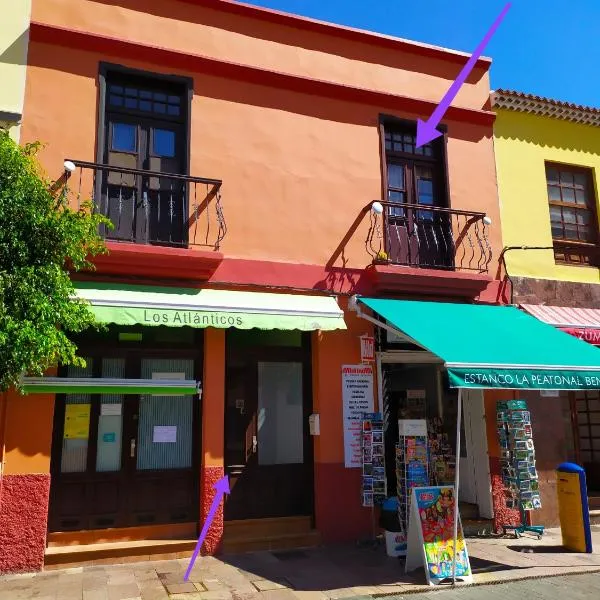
377,437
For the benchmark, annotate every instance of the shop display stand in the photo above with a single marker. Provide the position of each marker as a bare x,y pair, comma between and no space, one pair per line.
517,459
374,485
441,454
411,465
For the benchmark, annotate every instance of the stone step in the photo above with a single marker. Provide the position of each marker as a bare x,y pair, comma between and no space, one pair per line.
477,527
117,552
280,541
595,517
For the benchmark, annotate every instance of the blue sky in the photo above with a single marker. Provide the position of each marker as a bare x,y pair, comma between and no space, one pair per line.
545,47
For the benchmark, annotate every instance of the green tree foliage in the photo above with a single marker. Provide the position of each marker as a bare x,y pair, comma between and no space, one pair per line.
41,238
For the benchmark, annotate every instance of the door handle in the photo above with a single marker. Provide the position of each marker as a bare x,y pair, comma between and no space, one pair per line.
132,448
254,444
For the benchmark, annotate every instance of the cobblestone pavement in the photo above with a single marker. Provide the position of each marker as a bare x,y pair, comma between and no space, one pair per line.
324,573
570,587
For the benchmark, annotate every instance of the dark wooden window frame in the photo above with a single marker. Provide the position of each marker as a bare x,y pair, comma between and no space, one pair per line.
185,83
588,253
440,162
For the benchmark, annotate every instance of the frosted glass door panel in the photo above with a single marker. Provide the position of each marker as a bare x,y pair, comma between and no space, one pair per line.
280,413
74,449
165,422
110,420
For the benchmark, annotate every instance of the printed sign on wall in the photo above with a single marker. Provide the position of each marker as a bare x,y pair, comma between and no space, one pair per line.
77,422
357,399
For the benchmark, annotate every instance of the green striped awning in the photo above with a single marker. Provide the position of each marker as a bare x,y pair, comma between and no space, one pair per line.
103,385
487,346
181,307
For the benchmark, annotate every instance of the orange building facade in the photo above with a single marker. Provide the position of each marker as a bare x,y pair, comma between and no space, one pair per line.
237,151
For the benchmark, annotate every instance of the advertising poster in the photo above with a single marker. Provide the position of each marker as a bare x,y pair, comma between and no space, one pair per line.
77,422
357,399
432,528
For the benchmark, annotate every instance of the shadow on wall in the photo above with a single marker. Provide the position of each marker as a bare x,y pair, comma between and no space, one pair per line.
289,36
16,53
565,135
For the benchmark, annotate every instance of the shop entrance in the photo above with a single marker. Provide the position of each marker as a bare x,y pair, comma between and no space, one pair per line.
121,460
586,411
268,450
412,390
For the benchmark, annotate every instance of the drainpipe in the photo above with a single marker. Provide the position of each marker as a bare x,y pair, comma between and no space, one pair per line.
503,262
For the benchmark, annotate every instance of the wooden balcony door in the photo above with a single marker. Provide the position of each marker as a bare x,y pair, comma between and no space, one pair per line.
126,460
416,237
144,132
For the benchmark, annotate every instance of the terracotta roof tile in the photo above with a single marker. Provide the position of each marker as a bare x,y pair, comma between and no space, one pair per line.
547,107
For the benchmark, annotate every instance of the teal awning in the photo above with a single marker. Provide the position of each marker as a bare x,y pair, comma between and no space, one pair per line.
494,346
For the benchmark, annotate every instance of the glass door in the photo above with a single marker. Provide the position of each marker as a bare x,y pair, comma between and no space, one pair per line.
114,455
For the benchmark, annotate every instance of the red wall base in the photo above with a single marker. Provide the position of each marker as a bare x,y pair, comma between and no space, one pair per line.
214,537
23,522
340,516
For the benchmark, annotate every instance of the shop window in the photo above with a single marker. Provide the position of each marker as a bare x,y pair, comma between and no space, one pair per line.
573,216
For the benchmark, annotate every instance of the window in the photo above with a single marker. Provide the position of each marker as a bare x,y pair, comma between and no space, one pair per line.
572,213
414,175
416,232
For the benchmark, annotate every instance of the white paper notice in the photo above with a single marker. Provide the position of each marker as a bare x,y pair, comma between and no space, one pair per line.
164,433
110,410
357,398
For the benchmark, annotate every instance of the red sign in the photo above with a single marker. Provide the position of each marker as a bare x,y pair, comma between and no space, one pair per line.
587,334
367,348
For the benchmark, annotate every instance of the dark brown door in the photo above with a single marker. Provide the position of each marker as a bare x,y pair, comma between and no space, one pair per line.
417,237
586,414
123,460
143,134
268,451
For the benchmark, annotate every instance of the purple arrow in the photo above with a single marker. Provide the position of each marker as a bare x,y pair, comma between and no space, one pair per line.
426,130
221,488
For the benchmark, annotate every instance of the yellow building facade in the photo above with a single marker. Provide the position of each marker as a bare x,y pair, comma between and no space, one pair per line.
530,133
548,171
14,40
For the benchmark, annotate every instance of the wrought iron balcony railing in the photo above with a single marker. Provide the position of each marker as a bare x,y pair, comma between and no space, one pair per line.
419,235
151,207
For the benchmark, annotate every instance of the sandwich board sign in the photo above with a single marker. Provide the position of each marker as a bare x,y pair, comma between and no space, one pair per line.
431,536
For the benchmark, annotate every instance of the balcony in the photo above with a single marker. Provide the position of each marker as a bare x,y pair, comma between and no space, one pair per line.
165,225
437,246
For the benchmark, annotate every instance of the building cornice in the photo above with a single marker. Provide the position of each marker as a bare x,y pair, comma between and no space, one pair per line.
546,107
170,58
340,31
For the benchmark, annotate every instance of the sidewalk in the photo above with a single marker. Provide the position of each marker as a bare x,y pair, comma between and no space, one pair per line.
316,574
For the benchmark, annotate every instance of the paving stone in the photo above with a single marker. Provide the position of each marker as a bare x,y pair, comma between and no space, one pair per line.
98,594
309,595
215,595
213,585
123,591
155,591
265,585
181,588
